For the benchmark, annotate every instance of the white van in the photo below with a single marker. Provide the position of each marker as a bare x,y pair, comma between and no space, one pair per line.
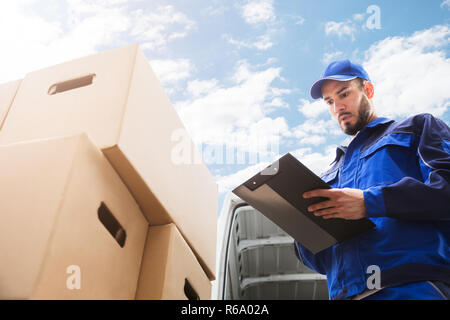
256,259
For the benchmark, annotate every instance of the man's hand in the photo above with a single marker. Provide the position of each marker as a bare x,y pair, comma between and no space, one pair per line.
343,203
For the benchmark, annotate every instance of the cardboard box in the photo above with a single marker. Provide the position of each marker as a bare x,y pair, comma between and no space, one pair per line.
169,268
69,228
7,93
115,97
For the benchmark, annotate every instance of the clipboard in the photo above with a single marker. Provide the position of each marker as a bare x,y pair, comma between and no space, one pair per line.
277,191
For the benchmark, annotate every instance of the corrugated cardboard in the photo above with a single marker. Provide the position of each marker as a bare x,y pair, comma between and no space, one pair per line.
169,268
50,194
121,105
7,93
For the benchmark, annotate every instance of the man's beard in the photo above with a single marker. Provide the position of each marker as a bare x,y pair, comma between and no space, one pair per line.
364,114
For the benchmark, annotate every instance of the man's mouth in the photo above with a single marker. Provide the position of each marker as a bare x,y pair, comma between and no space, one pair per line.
344,117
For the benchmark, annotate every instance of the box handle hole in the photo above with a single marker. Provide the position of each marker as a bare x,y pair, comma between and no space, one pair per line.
111,224
71,84
189,291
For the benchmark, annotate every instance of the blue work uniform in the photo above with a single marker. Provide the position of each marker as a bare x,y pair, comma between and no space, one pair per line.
403,168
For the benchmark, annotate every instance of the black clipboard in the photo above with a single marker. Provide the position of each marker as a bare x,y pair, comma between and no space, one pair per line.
277,191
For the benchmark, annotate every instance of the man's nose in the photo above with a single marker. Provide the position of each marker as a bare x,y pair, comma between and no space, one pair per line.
338,107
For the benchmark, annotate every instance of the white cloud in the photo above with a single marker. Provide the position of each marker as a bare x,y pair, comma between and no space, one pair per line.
315,131
258,11
315,126
214,11
198,88
237,114
358,16
31,35
171,71
275,103
246,146
78,28
299,20
410,73
301,152
87,6
317,162
99,28
263,42
445,3
332,56
350,27
341,29
312,109
157,27
228,183
313,140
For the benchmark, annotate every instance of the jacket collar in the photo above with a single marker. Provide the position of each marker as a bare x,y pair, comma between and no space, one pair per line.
377,122
341,150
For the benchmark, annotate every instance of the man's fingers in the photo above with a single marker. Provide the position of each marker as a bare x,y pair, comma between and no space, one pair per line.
328,193
339,203
334,215
329,213
325,212
321,205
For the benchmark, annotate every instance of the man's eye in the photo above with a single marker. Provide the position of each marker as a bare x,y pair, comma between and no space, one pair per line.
344,94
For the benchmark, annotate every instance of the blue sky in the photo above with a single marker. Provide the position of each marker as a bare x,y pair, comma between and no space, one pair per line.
239,72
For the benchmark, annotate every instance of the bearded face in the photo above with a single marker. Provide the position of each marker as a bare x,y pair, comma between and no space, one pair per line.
363,118
348,104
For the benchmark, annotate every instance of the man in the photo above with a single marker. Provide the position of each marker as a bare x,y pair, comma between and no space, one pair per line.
397,174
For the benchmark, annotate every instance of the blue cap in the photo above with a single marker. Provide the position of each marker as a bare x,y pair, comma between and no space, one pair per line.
342,70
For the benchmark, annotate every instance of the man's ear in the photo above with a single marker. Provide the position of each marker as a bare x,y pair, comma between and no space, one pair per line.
368,89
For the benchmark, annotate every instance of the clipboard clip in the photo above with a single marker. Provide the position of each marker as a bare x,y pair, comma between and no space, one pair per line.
262,177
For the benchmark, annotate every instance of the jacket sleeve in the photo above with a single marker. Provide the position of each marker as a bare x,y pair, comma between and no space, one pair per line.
410,198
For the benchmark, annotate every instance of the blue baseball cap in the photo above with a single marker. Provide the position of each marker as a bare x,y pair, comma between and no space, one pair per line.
342,70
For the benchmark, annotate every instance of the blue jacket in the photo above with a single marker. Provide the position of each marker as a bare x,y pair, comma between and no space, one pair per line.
404,170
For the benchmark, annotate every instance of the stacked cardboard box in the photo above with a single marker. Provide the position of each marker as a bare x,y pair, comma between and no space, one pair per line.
93,186
169,266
